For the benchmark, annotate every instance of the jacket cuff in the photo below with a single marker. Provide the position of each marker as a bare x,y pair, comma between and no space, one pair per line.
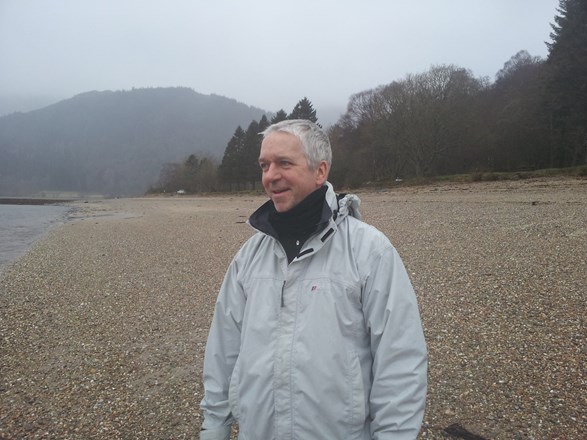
222,433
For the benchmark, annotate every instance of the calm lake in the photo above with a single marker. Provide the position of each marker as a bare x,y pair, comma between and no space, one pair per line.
22,225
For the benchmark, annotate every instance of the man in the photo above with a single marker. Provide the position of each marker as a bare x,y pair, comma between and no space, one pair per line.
316,332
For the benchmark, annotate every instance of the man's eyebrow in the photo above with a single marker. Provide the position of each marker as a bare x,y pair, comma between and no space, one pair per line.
277,158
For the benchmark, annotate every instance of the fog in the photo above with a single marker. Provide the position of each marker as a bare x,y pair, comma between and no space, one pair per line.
263,53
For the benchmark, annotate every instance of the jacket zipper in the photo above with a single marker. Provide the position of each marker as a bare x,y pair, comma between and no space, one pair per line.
282,289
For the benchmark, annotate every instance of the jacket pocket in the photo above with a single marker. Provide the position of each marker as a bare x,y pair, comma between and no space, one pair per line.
233,395
356,398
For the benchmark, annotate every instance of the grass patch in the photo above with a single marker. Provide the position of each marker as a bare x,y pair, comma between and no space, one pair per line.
491,176
482,176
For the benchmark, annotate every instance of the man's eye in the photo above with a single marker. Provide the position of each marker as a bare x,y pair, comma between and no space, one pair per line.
264,166
285,163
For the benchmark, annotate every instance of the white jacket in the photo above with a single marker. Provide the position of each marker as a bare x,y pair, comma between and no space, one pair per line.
327,347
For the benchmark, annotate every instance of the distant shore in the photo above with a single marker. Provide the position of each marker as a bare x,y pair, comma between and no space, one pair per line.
31,201
104,321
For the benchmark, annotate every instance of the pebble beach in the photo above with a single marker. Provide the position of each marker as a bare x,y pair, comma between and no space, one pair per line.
103,323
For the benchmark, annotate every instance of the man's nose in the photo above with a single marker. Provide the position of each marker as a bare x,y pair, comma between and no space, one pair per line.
272,173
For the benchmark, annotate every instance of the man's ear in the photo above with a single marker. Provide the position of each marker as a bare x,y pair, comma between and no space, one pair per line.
322,173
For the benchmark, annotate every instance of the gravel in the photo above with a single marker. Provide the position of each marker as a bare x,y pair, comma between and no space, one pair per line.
103,323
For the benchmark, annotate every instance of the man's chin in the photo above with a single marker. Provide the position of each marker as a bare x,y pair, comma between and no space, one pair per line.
281,205
281,201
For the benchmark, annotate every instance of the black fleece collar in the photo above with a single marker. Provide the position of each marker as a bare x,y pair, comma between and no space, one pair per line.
312,213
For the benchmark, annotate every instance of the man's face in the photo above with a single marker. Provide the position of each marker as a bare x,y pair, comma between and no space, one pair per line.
287,178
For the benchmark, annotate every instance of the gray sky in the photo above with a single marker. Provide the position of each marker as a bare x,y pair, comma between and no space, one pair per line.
264,53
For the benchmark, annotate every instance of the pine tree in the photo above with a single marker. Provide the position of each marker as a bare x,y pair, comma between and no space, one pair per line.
230,169
303,110
567,84
250,155
281,115
264,123
252,148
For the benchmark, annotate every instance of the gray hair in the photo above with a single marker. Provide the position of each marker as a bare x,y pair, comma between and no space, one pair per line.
314,140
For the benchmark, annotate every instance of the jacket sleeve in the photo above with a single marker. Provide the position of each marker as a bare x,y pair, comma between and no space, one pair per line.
222,350
398,393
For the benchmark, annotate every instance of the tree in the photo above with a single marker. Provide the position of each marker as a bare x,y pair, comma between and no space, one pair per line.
303,110
281,115
240,164
230,171
169,178
250,154
567,83
206,178
190,173
520,61
520,132
352,142
193,175
418,126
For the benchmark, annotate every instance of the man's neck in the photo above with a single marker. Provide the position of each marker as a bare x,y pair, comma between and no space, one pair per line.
296,225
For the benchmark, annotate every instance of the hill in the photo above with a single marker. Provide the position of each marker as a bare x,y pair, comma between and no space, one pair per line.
113,143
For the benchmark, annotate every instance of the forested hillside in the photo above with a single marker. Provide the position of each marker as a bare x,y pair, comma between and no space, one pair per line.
113,143
446,121
532,115
443,121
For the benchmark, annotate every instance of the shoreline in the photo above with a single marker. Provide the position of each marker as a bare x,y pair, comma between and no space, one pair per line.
32,201
23,225
105,319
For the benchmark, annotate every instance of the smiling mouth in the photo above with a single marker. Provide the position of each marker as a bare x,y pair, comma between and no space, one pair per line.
278,191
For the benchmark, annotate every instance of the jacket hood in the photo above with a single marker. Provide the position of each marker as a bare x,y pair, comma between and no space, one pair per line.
343,204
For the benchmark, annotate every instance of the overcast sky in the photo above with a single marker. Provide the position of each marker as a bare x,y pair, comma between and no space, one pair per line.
266,53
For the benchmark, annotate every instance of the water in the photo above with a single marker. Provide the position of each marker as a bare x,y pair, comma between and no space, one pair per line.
22,225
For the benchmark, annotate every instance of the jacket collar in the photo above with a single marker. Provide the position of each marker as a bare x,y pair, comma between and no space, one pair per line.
335,209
